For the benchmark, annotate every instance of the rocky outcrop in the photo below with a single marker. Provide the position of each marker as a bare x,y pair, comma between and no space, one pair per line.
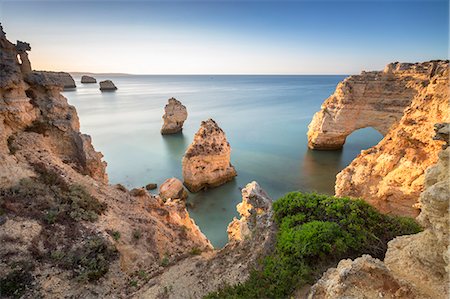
22,48
256,214
206,162
251,238
174,116
372,99
55,201
391,174
88,79
172,189
415,266
107,85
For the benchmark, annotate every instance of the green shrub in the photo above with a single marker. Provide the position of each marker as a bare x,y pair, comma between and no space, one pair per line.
15,283
315,232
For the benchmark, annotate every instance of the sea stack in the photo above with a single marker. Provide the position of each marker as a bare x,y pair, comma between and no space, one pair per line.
107,85
206,162
88,79
174,116
172,189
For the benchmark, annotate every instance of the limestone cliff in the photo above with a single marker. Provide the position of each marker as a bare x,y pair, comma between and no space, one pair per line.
415,266
391,174
61,225
402,102
206,162
251,237
174,116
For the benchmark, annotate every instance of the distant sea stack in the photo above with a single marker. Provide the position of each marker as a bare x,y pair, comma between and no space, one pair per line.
403,102
88,79
174,116
107,85
206,162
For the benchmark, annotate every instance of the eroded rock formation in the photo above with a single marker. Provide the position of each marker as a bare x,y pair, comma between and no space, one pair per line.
206,162
174,116
57,206
172,189
107,85
256,214
390,175
251,237
372,99
415,266
88,79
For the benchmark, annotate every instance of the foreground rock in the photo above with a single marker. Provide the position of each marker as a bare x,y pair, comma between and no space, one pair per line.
174,116
172,189
65,232
88,79
107,85
403,102
251,238
206,162
415,266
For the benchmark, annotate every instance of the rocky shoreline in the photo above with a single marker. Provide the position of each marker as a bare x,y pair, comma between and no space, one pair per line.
66,232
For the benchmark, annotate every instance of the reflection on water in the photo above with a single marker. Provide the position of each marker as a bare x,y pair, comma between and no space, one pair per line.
319,167
265,119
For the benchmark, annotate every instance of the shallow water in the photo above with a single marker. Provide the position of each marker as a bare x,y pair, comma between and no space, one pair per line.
265,119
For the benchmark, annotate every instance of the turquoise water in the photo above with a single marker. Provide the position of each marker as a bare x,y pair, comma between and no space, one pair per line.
265,119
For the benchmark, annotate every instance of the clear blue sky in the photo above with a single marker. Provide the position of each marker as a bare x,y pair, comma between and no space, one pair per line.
228,37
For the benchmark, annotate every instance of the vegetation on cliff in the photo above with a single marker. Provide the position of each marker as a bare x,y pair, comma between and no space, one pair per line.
315,232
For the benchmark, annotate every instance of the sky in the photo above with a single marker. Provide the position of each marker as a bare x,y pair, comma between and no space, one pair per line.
227,37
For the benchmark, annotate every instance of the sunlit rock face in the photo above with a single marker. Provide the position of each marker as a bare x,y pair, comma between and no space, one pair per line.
250,238
391,174
256,214
174,117
415,266
40,134
372,99
172,189
206,162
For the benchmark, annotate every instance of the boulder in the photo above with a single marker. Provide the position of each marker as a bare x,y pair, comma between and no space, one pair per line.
172,189
174,116
88,79
107,85
206,162
151,186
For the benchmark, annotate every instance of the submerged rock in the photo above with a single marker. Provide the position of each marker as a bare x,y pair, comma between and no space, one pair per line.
174,116
206,162
88,79
151,186
107,85
172,189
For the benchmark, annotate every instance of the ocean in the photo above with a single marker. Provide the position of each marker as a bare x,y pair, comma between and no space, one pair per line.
265,119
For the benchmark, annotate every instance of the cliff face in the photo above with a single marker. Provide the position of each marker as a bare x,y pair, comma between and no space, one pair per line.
402,102
206,162
415,266
59,218
251,237
372,99
391,174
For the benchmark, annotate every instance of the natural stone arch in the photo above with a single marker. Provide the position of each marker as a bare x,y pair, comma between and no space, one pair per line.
372,99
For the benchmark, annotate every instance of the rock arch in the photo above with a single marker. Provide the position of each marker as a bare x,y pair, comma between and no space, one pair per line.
371,99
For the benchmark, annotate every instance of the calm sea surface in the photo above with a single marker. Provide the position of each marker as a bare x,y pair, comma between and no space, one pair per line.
265,119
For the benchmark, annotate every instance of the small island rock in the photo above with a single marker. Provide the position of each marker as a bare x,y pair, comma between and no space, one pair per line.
174,116
206,162
172,189
107,85
151,186
88,79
